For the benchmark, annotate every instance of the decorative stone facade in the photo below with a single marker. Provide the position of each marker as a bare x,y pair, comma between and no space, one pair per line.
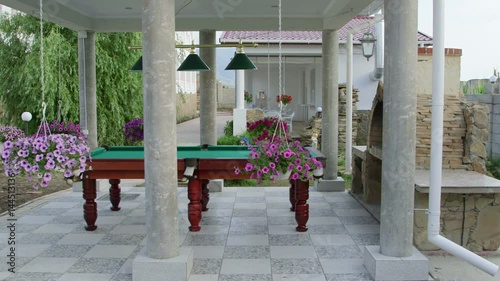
315,125
480,227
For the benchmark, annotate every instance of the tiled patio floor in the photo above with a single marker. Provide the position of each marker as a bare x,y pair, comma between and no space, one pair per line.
248,234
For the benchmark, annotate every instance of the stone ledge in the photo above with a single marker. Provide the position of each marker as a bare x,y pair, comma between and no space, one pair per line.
337,185
458,181
179,268
380,267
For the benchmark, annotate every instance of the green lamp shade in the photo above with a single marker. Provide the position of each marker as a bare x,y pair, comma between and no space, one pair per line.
241,62
137,66
193,63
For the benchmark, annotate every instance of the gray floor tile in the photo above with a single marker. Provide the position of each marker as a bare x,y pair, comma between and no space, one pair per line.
289,240
22,228
327,229
248,240
338,252
35,219
348,277
358,220
48,265
352,212
321,212
296,266
283,193
281,221
45,212
250,199
247,252
205,240
134,220
299,277
215,220
246,266
366,239
345,205
20,262
122,239
220,205
97,265
34,276
249,213
249,221
66,251
69,220
101,229
245,277
278,205
206,266
248,229
121,277
41,238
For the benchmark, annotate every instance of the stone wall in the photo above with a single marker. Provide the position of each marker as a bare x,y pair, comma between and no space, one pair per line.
314,124
362,133
476,138
453,133
493,104
480,227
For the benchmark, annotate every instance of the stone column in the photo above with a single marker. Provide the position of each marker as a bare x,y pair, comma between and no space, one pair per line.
240,113
90,78
208,96
330,129
398,151
161,256
87,85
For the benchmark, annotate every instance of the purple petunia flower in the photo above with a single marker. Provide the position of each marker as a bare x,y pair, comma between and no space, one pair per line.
248,167
299,168
272,165
265,170
39,157
291,166
295,176
68,173
44,183
47,176
237,171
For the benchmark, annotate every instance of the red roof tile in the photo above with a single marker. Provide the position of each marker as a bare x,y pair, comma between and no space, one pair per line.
305,37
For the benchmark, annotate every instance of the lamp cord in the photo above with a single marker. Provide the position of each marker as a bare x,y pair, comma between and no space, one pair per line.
43,124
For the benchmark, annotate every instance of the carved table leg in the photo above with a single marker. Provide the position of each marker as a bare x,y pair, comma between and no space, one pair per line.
293,200
205,196
301,208
90,206
194,206
114,194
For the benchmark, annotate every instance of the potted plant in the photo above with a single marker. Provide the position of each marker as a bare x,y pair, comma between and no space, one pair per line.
285,99
37,157
9,133
134,130
274,158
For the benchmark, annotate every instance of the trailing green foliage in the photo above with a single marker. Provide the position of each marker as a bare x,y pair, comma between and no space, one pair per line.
493,166
229,140
119,97
228,129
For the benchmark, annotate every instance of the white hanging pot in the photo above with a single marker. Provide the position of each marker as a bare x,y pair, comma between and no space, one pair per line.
318,173
283,176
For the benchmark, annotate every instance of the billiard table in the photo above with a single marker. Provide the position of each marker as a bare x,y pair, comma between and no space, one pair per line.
196,163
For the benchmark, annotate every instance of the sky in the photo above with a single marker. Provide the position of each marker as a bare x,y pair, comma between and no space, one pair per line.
474,27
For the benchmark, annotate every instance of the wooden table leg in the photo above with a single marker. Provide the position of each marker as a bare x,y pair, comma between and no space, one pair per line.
90,206
194,206
301,208
205,196
293,200
114,194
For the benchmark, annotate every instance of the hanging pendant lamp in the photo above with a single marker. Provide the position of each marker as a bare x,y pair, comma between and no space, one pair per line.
240,61
137,66
193,62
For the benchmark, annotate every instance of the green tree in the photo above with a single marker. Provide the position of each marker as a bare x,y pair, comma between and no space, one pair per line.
119,92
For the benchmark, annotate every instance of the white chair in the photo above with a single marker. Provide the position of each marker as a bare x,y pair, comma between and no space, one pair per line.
289,121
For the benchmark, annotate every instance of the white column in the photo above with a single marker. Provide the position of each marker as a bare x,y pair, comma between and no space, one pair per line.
208,97
330,126
240,113
240,89
348,130
161,256
87,85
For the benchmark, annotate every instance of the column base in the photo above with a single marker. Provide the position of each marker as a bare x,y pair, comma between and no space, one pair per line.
215,185
330,185
179,268
101,186
380,267
239,121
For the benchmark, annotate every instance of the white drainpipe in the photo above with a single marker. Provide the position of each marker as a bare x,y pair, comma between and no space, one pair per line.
378,72
437,152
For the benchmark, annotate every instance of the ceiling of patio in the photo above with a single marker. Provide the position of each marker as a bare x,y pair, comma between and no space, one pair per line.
125,15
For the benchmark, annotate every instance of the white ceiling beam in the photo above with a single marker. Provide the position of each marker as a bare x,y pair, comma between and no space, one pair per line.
342,12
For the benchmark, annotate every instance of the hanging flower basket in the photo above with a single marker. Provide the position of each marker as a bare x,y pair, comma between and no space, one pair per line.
38,157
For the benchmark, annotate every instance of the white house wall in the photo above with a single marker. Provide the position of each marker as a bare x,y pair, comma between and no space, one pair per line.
311,59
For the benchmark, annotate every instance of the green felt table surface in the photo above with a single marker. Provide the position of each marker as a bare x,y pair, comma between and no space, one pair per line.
213,152
137,152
